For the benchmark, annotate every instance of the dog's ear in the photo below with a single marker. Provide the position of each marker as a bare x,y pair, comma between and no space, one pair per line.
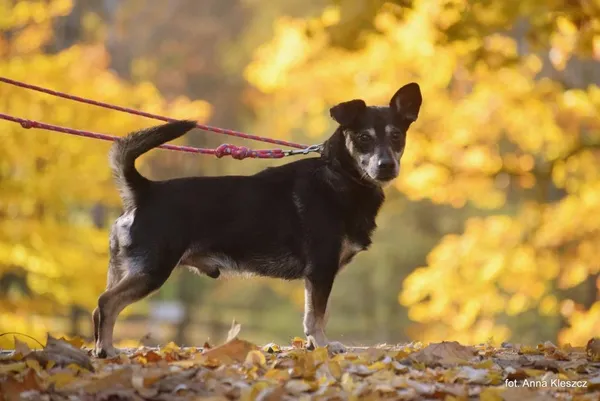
407,101
345,113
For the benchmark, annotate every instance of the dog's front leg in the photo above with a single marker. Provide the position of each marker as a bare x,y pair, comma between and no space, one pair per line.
316,296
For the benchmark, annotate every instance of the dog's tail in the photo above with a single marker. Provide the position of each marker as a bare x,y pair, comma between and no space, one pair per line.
126,150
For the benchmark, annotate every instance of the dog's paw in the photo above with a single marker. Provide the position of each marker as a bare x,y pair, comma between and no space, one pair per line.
106,352
335,347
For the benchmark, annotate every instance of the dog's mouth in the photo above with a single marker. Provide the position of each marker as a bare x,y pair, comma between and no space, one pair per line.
385,178
381,178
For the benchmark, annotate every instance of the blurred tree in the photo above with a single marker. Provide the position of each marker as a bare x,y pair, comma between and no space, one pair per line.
500,131
52,253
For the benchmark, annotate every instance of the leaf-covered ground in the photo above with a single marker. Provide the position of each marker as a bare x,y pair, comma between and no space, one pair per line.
64,370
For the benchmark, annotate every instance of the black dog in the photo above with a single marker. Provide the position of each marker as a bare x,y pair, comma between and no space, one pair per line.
303,220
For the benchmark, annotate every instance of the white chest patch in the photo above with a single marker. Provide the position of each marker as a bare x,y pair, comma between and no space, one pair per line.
349,249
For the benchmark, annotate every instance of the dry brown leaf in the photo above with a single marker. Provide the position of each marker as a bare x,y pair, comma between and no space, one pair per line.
471,375
76,342
21,349
241,370
546,364
524,393
234,350
139,384
594,383
62,379
255,358
234,331
120,378
12,387
492,394
271,348
12,367
61,353
270,394
298,342
297,387
444,353
593,349
149,357
527,350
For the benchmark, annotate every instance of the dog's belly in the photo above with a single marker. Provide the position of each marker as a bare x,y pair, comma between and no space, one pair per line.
284,266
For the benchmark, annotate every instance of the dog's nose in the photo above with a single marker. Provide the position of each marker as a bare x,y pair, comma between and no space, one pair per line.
386,164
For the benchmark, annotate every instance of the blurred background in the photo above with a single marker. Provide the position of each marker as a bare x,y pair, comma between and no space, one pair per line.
490,234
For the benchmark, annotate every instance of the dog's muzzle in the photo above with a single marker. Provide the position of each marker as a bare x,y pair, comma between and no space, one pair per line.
387,170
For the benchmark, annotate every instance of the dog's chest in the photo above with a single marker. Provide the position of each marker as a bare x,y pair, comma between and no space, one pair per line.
348,250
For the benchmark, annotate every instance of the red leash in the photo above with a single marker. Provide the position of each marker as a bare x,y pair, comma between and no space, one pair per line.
237,152
148,115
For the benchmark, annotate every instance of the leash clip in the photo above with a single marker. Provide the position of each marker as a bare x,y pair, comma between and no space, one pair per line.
318,148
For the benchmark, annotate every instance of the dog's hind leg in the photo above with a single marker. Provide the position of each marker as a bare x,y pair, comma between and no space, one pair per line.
138,282
115,274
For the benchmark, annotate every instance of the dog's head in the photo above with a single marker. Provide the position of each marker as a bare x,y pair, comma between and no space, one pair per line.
375,136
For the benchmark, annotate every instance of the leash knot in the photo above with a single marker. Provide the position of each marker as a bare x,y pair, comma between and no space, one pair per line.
27,124
241,152
237,152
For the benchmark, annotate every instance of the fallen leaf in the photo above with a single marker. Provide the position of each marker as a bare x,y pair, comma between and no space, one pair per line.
527,350
492,394
255,358
297,387
298,342
234,350
170,347
444,353
33,364
334,369
546,364
592,349
234,331
471,375
347,383
62,379
149,357
268,394
141,387
594,383
420,387
11,388
280,375
120,378
61,353
12,367
523,393
271,348
76,342
21,349
320,354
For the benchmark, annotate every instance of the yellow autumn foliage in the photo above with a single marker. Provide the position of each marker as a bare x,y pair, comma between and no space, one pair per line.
50,182
491,134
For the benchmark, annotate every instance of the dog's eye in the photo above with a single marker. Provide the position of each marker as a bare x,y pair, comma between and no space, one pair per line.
395,136
364,138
